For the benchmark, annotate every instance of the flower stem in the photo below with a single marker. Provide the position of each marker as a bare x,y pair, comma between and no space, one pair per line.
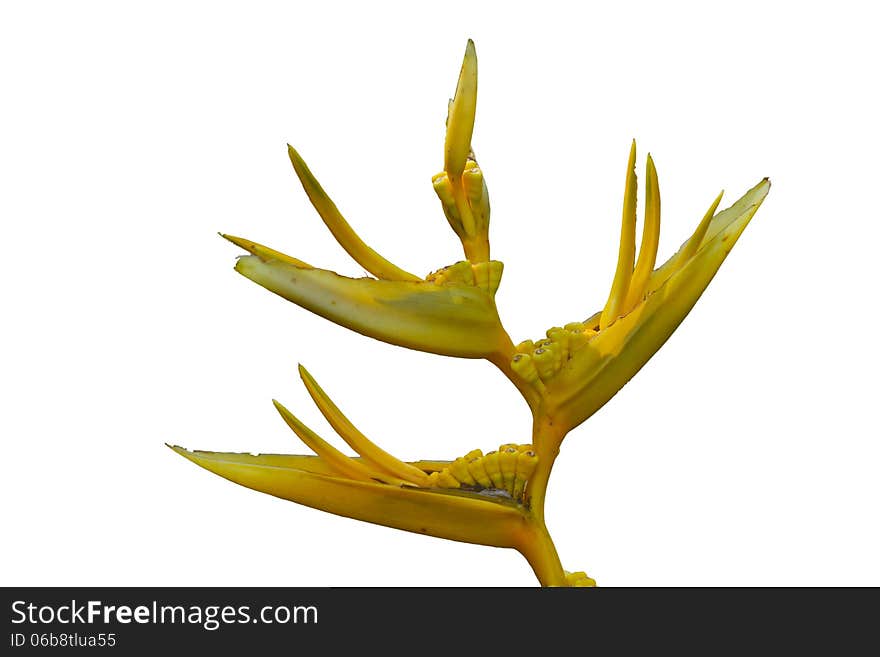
501,359
538,549
546,438
537,545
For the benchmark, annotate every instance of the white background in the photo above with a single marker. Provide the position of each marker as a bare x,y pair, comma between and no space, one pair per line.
745,453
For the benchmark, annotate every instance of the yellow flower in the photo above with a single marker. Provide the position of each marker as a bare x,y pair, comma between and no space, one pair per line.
496,498
478,498
450,312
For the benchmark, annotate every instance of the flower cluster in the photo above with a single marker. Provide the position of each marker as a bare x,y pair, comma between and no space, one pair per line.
496,498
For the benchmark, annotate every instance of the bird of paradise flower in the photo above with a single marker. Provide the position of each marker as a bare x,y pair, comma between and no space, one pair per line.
494,498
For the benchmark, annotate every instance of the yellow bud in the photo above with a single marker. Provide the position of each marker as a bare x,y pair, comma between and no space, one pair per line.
446,480
578,339
507,460
526,462
560,337
524,367
478,472
443,189
579,579
473,183
545,361
488,275
460,272
493,469
477,196
459,470
525,347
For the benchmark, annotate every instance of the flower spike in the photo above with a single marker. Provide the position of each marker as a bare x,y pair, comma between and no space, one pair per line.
604,359
451,312
437,498
494,498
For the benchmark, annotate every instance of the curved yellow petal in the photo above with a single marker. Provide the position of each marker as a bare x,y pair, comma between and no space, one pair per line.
689,248
339,462
264,252
449,319
753,197
377,457
443,513
599,369
462,112
627,251
342,231
650,239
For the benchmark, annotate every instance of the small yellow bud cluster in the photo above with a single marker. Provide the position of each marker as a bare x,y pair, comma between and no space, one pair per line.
507,469
579,579
541,360
474,219
485,275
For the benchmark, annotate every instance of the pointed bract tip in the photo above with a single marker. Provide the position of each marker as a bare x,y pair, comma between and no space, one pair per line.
240,242
231,238
297,161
